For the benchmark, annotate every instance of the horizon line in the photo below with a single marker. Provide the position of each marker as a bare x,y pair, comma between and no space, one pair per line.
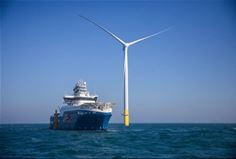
137,123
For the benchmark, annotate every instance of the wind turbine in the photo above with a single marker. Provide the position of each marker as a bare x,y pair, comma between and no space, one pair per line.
125,45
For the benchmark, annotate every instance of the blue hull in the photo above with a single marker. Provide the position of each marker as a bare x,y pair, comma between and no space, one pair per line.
81,120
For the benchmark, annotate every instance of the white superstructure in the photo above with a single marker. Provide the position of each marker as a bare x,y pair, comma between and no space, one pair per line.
83,100
81,95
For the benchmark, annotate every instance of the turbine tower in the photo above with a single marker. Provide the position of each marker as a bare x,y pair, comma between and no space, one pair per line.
125,45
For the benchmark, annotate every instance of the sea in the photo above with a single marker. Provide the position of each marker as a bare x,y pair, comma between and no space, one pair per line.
136,141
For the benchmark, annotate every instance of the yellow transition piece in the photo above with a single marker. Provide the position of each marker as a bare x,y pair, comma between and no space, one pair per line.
126,117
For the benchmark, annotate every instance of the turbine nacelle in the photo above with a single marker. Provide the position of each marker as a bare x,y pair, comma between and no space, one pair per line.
125,46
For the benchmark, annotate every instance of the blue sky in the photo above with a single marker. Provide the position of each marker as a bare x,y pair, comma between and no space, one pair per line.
187,74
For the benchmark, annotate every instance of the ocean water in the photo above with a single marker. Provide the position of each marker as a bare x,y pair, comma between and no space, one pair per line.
137,141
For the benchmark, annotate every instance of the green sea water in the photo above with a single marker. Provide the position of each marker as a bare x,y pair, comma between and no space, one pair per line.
136,141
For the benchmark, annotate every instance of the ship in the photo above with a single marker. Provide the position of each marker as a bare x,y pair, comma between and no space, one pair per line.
82,111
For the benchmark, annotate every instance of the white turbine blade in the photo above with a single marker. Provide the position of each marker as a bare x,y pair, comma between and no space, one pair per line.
104,29
144,38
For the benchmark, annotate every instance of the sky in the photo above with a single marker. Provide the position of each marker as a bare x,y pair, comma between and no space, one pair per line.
185,75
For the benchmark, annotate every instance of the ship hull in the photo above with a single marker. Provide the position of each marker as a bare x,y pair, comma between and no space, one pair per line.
81,120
